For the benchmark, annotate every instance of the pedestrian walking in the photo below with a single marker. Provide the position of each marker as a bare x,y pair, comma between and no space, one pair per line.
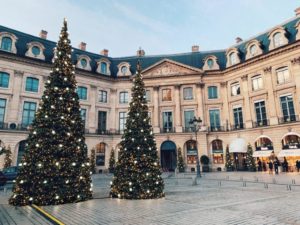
276,165
259,165
270,163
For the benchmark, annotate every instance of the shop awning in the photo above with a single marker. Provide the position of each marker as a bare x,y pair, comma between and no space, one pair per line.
289,152
238,145
263,153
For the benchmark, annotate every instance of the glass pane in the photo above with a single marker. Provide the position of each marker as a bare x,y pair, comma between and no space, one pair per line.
6,43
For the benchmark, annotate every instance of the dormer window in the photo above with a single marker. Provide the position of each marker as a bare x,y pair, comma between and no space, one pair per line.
35,50
277,38
210,63
253,48
103,66
84,62
8,42
232,57
124,69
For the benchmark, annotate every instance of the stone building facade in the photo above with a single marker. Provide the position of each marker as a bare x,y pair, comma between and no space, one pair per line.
246,94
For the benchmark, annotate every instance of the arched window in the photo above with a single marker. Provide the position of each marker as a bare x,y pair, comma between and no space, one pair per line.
277,39
191,152
232,58
253,50
291,141
217,151
6,44
100,154
210,63
83,63
104,67
4,80
263,143
36,50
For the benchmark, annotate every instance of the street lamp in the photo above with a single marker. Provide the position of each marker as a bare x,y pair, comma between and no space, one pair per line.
197,125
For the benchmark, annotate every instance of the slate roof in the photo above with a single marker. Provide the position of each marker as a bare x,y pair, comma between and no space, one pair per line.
194,59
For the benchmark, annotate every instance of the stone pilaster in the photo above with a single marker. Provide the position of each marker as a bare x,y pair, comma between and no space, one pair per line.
92,112
112,117
156,109
225,109
200,108
296,72
273,117
15,102
247,109
178,122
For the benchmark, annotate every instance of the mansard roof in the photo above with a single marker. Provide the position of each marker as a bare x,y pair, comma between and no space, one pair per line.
193,59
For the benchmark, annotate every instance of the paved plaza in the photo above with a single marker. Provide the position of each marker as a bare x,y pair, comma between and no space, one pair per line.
218,198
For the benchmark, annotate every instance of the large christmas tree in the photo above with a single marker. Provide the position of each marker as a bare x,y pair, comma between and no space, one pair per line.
55,167
250,160
137,173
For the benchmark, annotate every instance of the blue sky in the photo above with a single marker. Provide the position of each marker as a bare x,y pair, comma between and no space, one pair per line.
158,26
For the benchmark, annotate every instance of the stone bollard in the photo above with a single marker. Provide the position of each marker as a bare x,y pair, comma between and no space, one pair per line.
194,181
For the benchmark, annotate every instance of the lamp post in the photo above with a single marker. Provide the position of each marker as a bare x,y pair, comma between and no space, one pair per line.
197,125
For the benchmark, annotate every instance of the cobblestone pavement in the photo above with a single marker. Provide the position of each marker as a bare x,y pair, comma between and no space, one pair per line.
219,198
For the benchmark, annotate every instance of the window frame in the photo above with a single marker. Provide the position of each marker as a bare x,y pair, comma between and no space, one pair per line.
238,90
30,85
102,96
166,97
123,97
80,92
212,94
280,71
185,91
259,86
4,75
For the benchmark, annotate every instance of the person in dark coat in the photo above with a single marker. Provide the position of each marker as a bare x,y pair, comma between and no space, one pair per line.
264,166
286,165
276,165
270,163
259,165
298,165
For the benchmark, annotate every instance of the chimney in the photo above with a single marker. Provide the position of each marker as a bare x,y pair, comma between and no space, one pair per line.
238,40
140,52
297,11
43,34
195,48
82,46
104,52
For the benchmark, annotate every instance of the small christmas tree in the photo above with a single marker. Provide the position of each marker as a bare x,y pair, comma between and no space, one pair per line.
55,167
180,161
7,158
93,160
112,161
250,161
229,162
137,174
2,148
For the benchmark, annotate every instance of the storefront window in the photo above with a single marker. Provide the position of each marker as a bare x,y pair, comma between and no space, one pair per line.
217,151
100,154
191,152
291,142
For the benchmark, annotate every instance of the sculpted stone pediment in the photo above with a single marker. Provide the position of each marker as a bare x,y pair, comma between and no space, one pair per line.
169,67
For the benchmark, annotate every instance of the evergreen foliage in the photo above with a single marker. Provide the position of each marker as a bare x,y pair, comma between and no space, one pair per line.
250,160
137,174
229,162
55,167
93,160
180,161
112,161
7,158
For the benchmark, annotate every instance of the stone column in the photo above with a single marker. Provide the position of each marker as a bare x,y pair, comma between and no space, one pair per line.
273,117
200,108
177,118
92,112
247,108
225,109
156,109
15,101
112,115
296,72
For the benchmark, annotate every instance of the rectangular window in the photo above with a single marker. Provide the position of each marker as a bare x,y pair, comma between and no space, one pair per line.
257,83
148,95
238,118
167,121
214,118
283,75
4,80
102,121
29,109
123,97
102,96
188,116
261,115
32,84
166,95
2,111
103,67
188,93
82,93
83,115
122,120
287,107
235,89
212,92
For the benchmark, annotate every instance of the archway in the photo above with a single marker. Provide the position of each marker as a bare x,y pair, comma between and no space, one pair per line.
239,149
263,143
21,151
168,156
